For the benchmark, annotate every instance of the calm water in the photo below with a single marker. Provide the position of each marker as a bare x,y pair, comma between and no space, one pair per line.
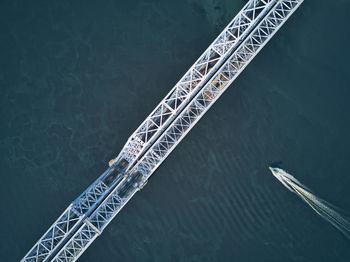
76,79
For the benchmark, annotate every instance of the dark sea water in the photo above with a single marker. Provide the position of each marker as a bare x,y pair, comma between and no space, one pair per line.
76,79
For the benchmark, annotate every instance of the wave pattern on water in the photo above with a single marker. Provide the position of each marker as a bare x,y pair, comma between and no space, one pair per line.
326,210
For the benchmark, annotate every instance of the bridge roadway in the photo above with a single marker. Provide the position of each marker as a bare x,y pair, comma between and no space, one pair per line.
159,134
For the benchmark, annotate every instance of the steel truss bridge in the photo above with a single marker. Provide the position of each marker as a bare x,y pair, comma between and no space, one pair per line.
236,46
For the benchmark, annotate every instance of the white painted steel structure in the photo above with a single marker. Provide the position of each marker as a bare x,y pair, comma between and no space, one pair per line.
212,58
165,127
194,79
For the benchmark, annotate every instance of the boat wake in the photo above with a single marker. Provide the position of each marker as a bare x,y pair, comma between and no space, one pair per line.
327,211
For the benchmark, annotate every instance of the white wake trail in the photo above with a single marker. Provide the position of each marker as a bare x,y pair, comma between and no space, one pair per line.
326,210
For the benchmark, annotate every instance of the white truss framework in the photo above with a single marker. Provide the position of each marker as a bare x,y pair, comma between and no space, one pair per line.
216,86
189,116
56,233
64,226
80,241
229,39
195,78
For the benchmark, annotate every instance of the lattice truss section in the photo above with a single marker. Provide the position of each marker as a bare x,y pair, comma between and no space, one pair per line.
68,221
232,34
77,244
184,122
82,206
195,77
216,86
99,219
105,212
56,233
94,194
93,226
90,197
